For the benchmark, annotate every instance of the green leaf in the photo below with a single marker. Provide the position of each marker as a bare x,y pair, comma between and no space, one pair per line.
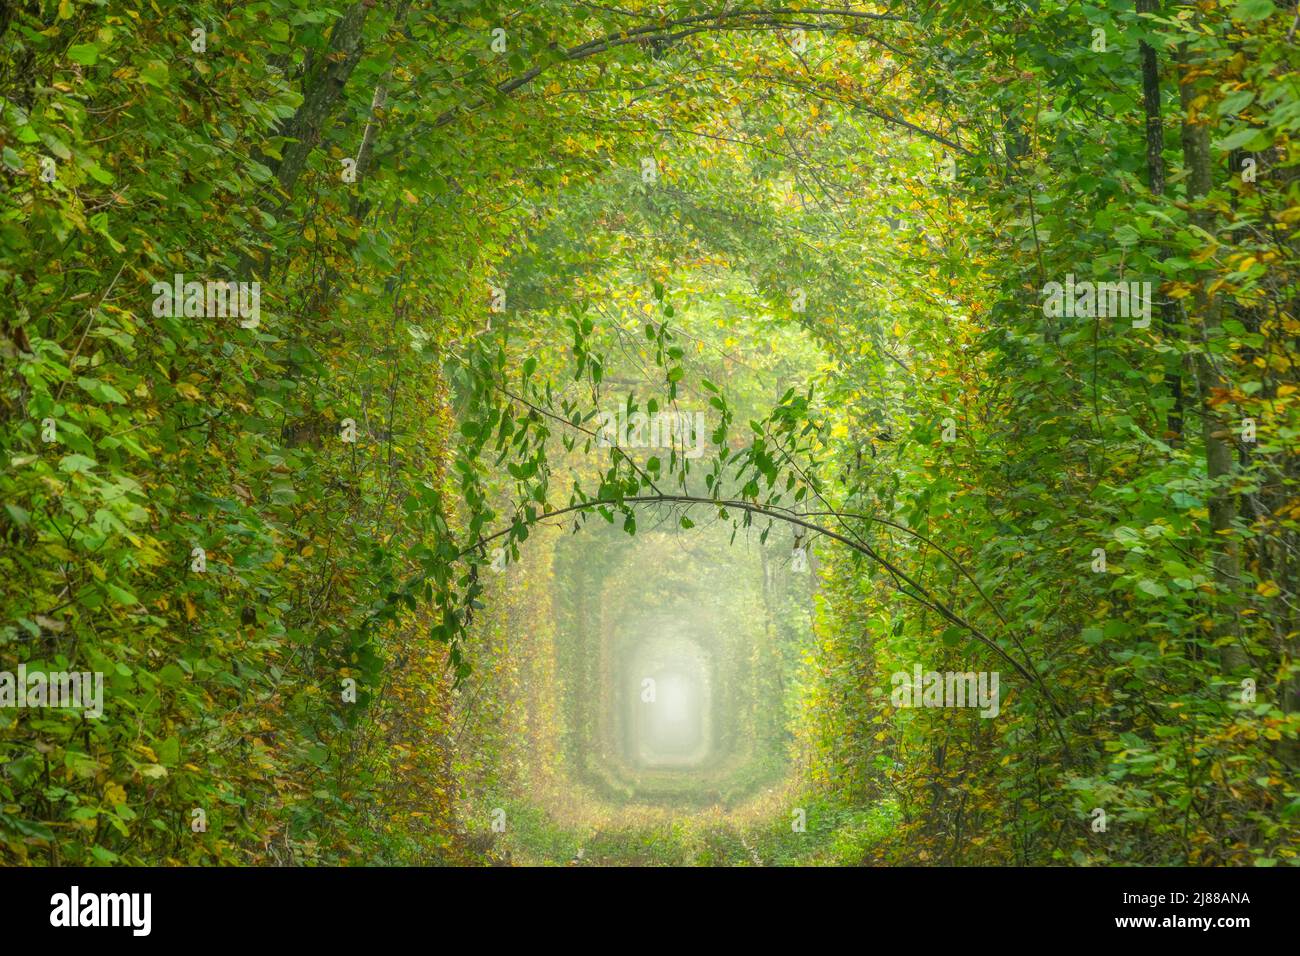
120,595
1246,138
1248,11
102,391
20,516
74,464
84,53
1154,588
155,73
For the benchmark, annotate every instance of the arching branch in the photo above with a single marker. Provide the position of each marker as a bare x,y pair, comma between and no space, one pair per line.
672,30
797,520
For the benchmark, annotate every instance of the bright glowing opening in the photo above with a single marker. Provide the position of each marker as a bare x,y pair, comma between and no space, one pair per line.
669,715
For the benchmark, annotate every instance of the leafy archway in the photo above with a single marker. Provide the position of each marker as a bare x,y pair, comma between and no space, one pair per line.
462,235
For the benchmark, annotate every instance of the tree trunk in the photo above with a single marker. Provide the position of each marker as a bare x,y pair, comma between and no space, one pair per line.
1155,134
321,92
1217,430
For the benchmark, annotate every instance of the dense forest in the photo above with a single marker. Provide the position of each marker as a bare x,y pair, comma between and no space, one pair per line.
691,433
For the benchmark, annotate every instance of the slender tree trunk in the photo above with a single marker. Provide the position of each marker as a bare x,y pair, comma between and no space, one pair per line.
1217,430
1155,134
322,90
321,93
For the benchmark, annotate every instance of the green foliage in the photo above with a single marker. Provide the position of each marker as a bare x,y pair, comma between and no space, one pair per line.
471,255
